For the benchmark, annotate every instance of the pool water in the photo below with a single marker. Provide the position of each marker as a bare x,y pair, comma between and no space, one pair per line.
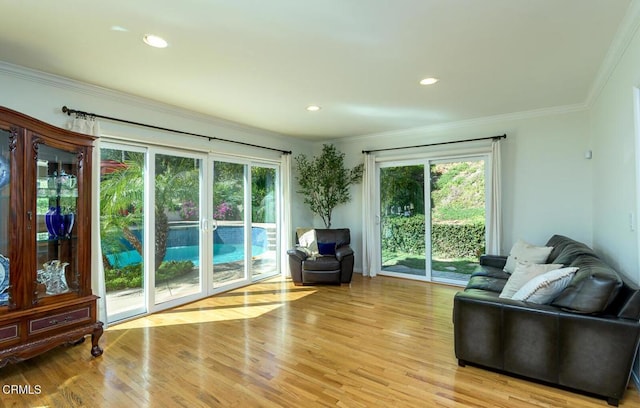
222,253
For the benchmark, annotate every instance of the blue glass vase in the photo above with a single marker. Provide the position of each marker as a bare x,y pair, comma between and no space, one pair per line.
55,222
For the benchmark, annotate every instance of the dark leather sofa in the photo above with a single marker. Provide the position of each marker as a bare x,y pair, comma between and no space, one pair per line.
586,339
334,267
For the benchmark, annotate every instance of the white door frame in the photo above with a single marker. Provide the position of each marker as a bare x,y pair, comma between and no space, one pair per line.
425,159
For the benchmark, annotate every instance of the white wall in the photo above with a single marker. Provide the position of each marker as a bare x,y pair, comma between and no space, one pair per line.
547,187
42,96
615,134
615,180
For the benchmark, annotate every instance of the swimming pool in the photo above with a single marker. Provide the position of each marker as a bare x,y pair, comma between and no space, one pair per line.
182,245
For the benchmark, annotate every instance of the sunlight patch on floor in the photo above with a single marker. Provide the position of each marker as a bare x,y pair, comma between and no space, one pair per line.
227,306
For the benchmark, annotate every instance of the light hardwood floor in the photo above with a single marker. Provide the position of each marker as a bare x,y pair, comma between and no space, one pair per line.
381,342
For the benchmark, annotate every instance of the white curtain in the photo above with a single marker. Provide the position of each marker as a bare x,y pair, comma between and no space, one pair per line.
82,123
369,226
91,126
494,218
285,224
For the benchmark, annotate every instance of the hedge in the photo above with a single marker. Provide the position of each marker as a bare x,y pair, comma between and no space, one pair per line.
130,276
448,240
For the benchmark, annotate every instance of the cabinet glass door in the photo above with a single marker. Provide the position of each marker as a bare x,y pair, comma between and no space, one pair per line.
5,182
55,227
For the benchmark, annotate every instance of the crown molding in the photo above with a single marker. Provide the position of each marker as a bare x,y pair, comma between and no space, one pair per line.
61,82
486,120
621,41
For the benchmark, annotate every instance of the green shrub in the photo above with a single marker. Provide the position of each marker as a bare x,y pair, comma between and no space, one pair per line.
173,269
453,241
131,276
403,234
127,277
448,240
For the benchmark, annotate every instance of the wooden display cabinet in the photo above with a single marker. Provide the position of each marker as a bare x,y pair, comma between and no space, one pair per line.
45,239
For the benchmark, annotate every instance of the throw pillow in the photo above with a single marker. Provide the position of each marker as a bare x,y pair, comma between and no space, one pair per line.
526,252
522,274
327,248
304,250
546,287
307,239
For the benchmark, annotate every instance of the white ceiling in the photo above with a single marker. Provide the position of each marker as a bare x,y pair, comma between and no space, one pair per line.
260,62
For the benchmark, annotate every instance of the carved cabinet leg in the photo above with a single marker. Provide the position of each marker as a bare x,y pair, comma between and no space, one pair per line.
96,351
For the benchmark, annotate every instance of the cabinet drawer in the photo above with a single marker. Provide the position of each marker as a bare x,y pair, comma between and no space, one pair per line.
9,332
59,319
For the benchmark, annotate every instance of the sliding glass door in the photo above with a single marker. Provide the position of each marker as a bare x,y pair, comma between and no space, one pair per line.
264,221
432,216
122,229
228,222
402,219
177,251
243,224
458,217
177,226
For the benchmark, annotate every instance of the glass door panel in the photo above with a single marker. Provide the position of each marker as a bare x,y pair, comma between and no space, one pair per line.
122,215
229,237
5,186
402,220
56,232
264,230
457,218
177,256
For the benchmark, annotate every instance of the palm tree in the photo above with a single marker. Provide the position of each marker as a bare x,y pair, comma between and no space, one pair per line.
122,197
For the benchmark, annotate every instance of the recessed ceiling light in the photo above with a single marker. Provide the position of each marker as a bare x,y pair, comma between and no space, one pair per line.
313,108
155,41
429,81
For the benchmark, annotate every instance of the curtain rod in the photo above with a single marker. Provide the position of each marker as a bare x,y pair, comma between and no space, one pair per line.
70,111
436,144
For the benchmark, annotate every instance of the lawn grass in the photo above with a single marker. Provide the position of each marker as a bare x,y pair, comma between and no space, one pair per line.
417,261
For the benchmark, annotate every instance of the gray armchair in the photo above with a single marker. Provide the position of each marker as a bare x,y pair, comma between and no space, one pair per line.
333,264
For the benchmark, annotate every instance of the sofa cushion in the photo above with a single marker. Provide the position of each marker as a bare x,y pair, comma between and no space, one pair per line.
321,263
544,288
339,236
491,272
566,250
486,283
592,289
522,274
526,252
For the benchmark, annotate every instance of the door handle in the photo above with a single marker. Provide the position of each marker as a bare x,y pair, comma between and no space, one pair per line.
204,224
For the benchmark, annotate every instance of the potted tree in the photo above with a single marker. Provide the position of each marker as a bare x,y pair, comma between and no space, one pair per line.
324,181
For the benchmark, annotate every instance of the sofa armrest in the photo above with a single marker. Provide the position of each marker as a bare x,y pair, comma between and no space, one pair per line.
343,251
497,261
298,254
